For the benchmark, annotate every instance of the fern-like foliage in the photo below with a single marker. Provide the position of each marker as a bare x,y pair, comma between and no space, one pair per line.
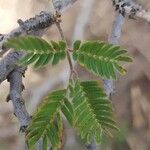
68,111
84,104
38,50
92,110
88,110
101,58
47,121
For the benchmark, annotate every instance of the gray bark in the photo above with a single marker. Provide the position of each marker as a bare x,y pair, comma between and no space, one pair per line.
114,39
16,88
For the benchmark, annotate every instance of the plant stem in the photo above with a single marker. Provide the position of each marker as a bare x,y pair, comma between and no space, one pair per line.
70,61
63,38
60,31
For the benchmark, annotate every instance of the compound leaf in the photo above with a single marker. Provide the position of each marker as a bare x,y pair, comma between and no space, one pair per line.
101,58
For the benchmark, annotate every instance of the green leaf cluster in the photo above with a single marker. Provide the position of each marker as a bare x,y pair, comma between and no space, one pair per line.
38,51
46,123
84,104
92,110
101,58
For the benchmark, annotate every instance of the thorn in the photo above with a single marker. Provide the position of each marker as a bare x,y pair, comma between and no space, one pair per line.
15,115
23,129
8,78
1,37
123,5
22,87
20,22
117,8
120,11
123,13
23,74
21,101
8,98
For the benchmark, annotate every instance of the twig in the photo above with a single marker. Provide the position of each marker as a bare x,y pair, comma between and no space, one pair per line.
16,88
114,39
132,8
68,54
8,64
117,29
35,25
123,7
32,26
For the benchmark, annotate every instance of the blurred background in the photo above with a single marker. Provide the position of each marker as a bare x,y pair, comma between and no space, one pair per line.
89,20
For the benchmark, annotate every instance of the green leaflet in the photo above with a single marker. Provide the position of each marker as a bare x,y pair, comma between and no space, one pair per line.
46,122
76,45
68,111
101,58
39,51
44,145
55,132
29,44
92,110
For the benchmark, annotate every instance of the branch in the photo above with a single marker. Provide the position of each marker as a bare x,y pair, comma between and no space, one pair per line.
114,39
35,25
8,63
123,7
116,29
132,8
16,88
32,26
